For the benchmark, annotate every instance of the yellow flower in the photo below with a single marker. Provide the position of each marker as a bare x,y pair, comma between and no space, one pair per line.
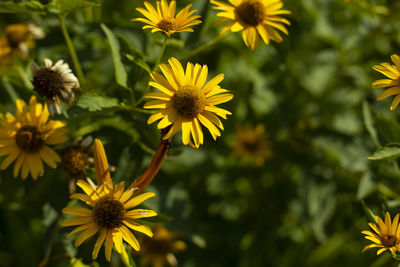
253,17
17,41
393,73
161,248
111,210
251,144
163,19
111,213
387,235
26,138
186,101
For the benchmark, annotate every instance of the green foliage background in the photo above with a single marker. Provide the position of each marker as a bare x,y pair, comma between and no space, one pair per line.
312,92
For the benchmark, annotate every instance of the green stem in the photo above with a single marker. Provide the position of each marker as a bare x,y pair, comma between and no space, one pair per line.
146,90
204,46
72,51
395,256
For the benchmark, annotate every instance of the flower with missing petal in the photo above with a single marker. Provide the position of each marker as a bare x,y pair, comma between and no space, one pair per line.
54,82
253,18
26,137
186,101
111,213
393,73
163,19
386,236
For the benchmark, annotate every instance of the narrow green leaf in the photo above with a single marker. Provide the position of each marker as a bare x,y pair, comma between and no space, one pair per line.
391,150
138,61
119,69
369,123
29,7
368,212
366,186
66,6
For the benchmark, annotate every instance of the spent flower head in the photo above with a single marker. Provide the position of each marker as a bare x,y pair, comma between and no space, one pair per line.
54,82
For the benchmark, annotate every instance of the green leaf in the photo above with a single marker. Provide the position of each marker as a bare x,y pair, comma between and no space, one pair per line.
366,186
138,61
119,69
391,150
96,102
66,6
368,212
29,7
369,123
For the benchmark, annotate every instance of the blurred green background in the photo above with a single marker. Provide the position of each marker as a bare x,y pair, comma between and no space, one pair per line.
313,94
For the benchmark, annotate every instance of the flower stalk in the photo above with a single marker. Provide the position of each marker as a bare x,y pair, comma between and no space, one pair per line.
72,51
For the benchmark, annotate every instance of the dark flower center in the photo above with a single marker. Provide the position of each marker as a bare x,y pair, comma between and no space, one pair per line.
47,83
250,12
251,145
16,35
389,241
29,139
188,101
108,213
74,159
167,25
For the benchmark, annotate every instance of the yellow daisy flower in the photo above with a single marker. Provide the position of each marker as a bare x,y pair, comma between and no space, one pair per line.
163,19
186,101
387,235
251,144
26,138
111,213
393,73
17,40
253,17
160,249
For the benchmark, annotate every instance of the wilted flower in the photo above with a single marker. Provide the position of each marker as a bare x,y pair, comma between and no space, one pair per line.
54,82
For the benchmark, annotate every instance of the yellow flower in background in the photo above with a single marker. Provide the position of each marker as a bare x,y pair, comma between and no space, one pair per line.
386,236
253,18
26,137
160,249
251,144
110,213
17,40
393,73
186,101
163,19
